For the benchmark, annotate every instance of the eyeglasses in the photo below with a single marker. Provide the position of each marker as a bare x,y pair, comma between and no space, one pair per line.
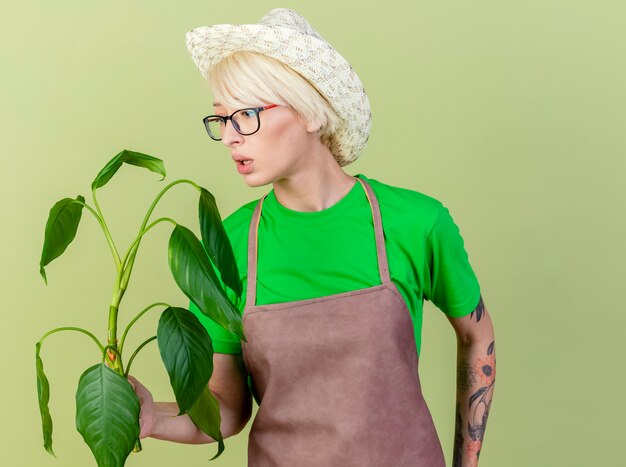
245,122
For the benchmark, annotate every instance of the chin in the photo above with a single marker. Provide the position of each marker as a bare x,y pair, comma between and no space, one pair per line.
254,182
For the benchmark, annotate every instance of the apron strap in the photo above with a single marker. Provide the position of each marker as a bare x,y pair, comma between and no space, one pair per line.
381,251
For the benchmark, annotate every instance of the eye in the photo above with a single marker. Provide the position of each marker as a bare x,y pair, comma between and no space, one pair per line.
248,113
214,120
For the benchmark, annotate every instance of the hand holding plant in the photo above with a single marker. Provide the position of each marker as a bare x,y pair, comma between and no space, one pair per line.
148,416
107,407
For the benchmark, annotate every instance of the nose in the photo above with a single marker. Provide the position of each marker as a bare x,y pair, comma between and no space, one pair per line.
230,136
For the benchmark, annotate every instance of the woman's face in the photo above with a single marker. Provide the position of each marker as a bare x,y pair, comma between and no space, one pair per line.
277,150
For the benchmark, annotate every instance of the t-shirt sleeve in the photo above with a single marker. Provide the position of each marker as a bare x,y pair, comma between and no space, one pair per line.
453,286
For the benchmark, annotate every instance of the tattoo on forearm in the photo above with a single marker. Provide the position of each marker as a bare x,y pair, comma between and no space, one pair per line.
479,310
483,371
466,376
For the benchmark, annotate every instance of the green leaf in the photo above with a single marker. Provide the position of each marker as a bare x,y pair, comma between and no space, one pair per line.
60,230
129,157
187,353
216,242
205,413
43,392
194,274
107,415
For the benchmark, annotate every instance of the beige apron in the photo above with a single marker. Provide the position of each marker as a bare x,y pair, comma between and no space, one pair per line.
336,377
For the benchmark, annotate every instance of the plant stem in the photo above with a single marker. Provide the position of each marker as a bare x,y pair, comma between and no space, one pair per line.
141,313
127,264
116,255
112,335
100,219
132,357
125,267
129,267
118,358
72,328
123,278
156,200
138,239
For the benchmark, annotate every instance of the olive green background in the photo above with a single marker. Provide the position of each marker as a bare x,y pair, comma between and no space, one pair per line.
511,113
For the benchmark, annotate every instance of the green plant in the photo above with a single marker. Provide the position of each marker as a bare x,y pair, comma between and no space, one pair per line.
107,408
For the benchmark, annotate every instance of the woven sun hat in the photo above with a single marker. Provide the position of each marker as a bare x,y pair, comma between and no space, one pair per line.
285,35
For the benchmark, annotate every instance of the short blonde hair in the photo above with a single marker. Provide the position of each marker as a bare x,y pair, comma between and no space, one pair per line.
246,78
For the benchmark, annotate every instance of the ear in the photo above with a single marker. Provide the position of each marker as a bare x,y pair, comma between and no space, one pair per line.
313,127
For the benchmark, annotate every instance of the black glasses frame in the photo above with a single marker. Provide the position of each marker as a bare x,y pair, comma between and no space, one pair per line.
224,120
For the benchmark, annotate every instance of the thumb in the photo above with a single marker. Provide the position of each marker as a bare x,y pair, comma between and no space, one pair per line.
133,382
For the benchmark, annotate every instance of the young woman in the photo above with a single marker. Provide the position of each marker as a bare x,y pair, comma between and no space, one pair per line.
335,269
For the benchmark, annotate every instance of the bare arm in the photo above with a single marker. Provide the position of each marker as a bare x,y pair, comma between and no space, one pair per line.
476,371
228,384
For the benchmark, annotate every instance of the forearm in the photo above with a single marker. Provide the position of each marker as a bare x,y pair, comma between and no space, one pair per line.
181,429
476,371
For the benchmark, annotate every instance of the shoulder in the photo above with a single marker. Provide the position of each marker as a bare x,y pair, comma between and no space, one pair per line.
237,223
240,216
410,206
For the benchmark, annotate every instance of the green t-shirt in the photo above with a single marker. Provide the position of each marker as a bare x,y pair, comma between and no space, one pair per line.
306,255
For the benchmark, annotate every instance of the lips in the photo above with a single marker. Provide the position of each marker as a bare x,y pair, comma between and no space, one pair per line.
240,159
245,166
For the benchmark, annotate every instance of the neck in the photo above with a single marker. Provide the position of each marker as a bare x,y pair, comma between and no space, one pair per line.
318,184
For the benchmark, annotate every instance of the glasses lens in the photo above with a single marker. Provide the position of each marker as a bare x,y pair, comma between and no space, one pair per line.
246,121
214,127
